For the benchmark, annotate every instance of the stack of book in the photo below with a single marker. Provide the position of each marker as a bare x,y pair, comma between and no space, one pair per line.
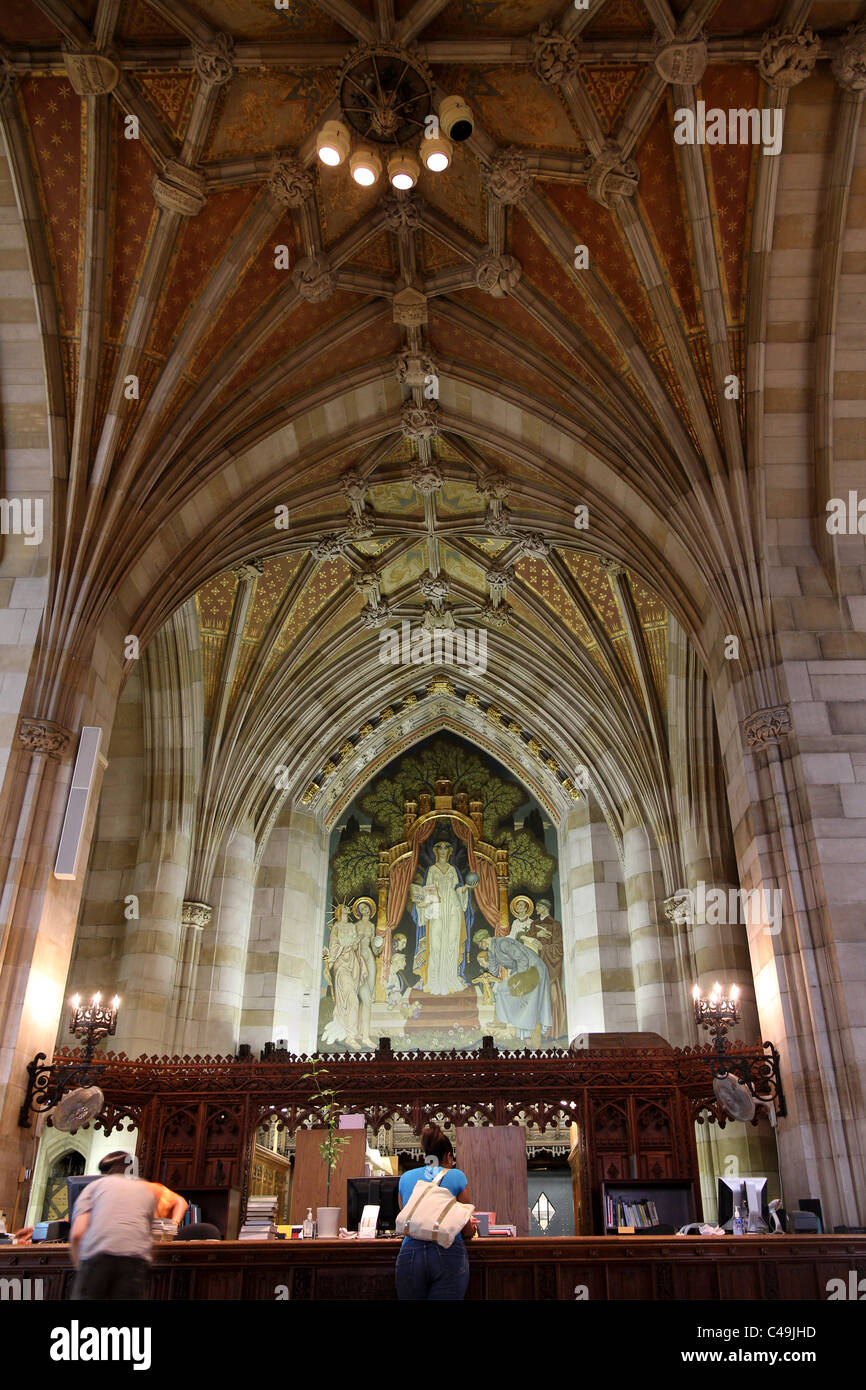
162,1229
637,1214
261,1219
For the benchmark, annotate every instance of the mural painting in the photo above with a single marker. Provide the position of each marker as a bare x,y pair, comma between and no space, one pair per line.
443,924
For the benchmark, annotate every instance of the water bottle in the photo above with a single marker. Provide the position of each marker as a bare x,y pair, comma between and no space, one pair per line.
737,1227
307,1228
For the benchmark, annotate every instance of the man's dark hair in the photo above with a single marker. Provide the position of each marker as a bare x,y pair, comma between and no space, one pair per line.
115,1162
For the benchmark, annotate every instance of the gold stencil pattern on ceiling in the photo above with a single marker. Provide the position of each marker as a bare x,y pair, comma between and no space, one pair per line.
170,94
611,91
539,577
396,499
262,111
328,579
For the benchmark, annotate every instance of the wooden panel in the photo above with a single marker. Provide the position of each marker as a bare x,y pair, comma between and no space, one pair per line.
310,1178
494,1160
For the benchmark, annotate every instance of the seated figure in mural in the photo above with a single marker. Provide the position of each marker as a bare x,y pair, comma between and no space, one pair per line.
523,999
441,949
345,970
545,936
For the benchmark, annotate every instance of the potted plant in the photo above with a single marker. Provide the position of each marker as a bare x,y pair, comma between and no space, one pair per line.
327,1105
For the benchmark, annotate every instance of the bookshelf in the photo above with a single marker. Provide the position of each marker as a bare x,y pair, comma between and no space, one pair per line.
220,1206
674,1199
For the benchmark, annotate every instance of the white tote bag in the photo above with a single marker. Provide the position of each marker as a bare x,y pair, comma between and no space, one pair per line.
433,1213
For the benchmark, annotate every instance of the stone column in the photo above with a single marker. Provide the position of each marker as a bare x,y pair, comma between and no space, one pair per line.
660,991
597,972
215,1016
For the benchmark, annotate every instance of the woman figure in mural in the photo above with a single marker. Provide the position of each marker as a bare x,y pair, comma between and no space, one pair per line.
346,969
523,999
363,909
442,915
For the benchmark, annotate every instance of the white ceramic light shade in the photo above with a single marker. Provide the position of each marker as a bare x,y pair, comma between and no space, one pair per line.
333,143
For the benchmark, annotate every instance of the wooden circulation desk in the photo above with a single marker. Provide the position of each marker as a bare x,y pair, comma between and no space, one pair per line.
686,1268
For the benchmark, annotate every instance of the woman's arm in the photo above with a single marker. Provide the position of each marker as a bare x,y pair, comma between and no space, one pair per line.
79,1226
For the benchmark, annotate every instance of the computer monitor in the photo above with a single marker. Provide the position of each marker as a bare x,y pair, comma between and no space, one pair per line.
370,1192
74,1187
750,1195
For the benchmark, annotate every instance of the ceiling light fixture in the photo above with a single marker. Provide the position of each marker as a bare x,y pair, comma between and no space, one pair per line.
365,166
403,170
436,153
333,143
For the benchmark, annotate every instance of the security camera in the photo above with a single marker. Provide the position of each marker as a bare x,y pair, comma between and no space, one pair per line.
456,119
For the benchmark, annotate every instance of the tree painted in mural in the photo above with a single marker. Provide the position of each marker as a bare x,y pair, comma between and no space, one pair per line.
353,867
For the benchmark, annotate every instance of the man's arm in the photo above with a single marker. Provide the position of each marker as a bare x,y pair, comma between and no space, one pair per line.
178,1208
79,1226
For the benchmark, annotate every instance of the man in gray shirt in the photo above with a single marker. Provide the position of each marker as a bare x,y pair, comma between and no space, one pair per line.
111,1237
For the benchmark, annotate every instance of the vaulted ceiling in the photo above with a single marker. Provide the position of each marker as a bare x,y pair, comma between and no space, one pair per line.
158,261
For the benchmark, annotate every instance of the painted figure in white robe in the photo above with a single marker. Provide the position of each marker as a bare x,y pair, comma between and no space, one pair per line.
523,999
445,920
343,959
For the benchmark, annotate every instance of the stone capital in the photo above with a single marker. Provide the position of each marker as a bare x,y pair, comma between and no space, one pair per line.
533,545
195,914
44,736
413,368
678,907
496,274
353,487
849,64
554,56
249,570
612,177
426,477
508,176
419,421
289,184
313,279
787,58
90,74
767,726
495,614
401,210
214,59
612,568
409,307
179,189
330,547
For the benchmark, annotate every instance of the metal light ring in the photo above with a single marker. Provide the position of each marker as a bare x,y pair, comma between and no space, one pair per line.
402,75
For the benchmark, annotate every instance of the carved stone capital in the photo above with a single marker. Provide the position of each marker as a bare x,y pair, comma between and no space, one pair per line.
434,587
289,184
330,547
353,487
44,736
376,613
90,74
7,74
533,545
554,57
249,570
426,477
419,421
767,726
678,907
214,59
409,307
401,210
508,176
413,368
495,614
360,526
499,523
179,189
498,578
849,64
496,274
683,63
612,177
193,914
611,567
312,278
494,486
787,58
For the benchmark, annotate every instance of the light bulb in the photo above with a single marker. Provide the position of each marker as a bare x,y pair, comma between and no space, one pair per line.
114,1004
735,993
436,153
96,998
76,1000
403,170
365,165
333,143
696,992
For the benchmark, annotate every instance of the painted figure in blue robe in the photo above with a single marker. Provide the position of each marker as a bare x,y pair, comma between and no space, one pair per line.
523,999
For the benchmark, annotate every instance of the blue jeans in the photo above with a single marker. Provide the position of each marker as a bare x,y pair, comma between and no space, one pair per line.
426,1271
